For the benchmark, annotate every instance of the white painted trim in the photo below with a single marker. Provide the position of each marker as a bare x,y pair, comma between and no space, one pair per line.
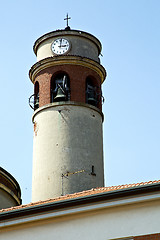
89,207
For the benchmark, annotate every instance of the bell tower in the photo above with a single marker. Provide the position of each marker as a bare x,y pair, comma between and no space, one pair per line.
67,118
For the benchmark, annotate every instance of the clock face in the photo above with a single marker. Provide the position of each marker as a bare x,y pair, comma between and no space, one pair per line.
60,46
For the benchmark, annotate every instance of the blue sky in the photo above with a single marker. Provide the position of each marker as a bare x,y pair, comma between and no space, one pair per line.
129,31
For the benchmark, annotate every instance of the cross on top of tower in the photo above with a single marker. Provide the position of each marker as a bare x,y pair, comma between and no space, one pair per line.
66,19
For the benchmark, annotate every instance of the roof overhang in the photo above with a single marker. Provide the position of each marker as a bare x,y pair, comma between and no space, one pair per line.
53,208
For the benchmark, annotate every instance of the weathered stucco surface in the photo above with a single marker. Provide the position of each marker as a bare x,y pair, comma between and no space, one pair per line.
67,139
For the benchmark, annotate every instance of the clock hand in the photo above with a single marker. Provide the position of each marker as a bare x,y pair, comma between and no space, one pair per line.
61,46
60,42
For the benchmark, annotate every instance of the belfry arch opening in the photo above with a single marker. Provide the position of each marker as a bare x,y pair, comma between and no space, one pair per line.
60,87
36,95
92,95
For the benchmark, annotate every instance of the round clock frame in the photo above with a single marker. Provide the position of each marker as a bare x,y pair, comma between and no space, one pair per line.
60,46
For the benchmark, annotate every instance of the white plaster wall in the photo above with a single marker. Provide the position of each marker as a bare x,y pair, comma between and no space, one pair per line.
67,138
79,46
112,223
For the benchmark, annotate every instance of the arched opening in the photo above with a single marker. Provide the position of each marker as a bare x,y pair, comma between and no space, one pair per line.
60,87
36,95
91,92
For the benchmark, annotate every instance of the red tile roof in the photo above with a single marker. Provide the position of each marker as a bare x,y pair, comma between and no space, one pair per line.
82,194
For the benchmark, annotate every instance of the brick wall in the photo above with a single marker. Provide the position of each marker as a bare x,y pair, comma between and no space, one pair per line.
77,75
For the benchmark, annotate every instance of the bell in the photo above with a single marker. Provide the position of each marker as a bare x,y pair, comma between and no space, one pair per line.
60,96
91,98
92,101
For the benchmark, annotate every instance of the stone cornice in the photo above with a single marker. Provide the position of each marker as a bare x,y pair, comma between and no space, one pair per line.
70,103
67,60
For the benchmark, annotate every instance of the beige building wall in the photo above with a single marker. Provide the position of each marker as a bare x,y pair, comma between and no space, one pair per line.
102,223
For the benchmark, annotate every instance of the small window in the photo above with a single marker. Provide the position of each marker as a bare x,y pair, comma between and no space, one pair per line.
60,90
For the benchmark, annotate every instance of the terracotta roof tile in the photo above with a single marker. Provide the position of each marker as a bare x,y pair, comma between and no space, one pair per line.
82,194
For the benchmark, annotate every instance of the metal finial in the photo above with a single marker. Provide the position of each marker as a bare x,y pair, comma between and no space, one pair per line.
67,18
